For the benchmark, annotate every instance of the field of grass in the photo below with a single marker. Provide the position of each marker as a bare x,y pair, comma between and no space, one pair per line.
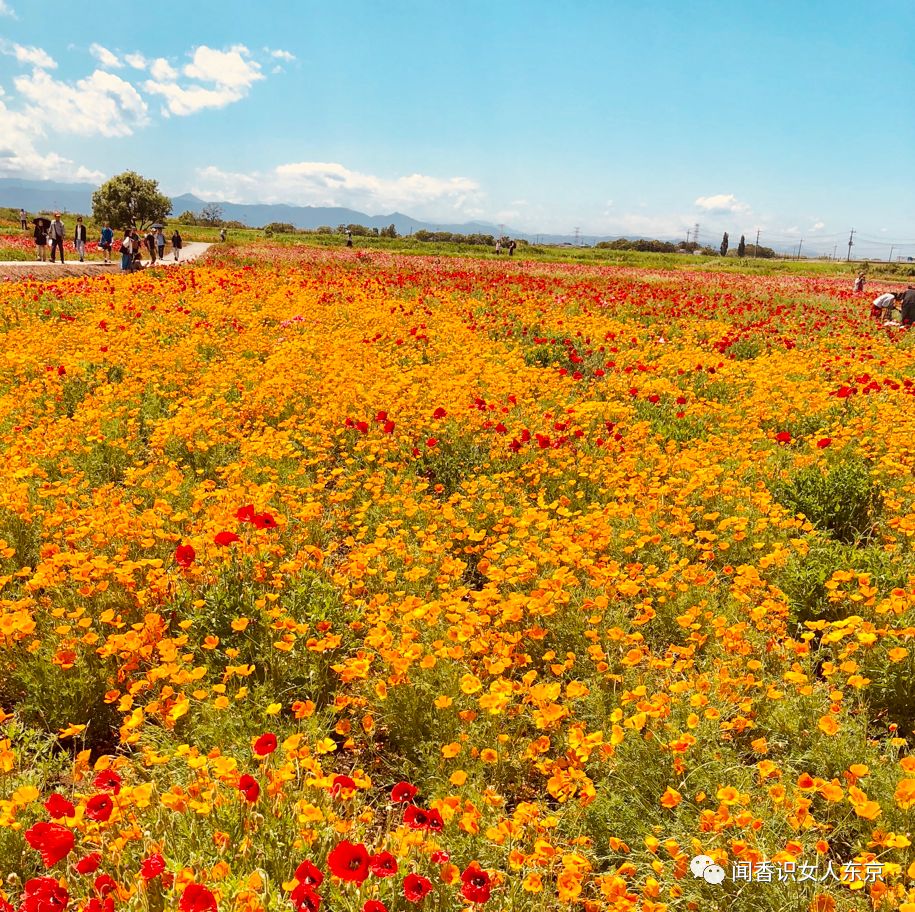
390,582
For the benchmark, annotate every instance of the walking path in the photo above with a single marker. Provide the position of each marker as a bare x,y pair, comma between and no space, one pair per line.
191,251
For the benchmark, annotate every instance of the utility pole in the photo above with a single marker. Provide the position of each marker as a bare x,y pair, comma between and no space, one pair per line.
890,258
696,233
756,247
577,236
851,240
687,235
799,248
835,247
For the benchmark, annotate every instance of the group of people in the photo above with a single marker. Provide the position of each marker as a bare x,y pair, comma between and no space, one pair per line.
52,233
895,306
510,246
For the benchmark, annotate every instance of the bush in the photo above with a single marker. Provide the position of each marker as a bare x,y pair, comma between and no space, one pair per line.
845,501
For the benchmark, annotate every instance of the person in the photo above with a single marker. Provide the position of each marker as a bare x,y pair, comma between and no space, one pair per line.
136,247
79,239
222,235
150,241
23,223
908,306
349,238
126,251
511,247
883,302
41,240
176,245
57,233
105,241
499,246
859,282
160,243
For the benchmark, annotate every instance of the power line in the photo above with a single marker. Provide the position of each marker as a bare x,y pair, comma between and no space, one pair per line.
851,240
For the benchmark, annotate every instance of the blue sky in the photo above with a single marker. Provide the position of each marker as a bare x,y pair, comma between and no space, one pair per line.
797,118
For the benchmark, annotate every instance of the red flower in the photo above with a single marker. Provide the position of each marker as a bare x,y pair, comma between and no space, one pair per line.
152,866
824,442
225,538
264,521
89,864
184,556
248,786
342,783
265,744
374,905
108,781
384,864
197,898
844,392
783,437
305,899
245,513
419,819
99,807
439,857
44,894
105,884
362,427
58,806
388,427
403,792
476,885
307,873
439,413
416,887
349,861
431,442
51,840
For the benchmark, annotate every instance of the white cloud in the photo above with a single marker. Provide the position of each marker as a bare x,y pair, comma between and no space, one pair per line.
722,203
162,70
31,55
101,104
105,57
818,226
181,100
233,68
137,61
6,10
333,184
283,55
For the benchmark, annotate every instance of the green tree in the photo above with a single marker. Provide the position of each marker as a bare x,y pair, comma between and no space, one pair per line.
129,200
211,215
742,247
188,218
724,245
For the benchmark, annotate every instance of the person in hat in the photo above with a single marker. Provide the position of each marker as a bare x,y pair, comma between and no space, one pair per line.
57,233
150,241
79,239
41,239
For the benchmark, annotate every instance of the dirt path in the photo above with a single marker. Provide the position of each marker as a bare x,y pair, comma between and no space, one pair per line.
31,269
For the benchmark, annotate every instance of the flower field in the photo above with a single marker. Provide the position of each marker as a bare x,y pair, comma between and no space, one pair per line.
350,581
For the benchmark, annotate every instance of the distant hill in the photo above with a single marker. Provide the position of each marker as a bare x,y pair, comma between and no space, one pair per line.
48,196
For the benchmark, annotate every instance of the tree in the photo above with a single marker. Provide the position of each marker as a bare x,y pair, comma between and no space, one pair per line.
188,218
211,215
742,247
724,244
130,201
389,232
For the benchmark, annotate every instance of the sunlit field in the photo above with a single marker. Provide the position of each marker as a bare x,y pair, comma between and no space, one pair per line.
344,580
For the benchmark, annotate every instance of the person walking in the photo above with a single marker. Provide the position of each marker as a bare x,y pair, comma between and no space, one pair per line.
222,235
151,246
908,306
136,248
160,243
41,239
79,239
105,241
126,251
57,233
176,245
23,220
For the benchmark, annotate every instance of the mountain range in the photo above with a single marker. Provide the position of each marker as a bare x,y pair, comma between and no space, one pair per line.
49,196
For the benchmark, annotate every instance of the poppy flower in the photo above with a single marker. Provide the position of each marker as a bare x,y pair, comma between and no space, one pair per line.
349,861
245,513
783,437
475,884
439,413
342,784
403,792
44,894
263,521
225,538
416,887
362,427
308,873
99,905
108,781
431,442
184,556
152,866
51,840
105,884
248,786
89,864
439,857
265,744
388,427
58,806
305,898
384,864
197,898
374,905
99,807
824,442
